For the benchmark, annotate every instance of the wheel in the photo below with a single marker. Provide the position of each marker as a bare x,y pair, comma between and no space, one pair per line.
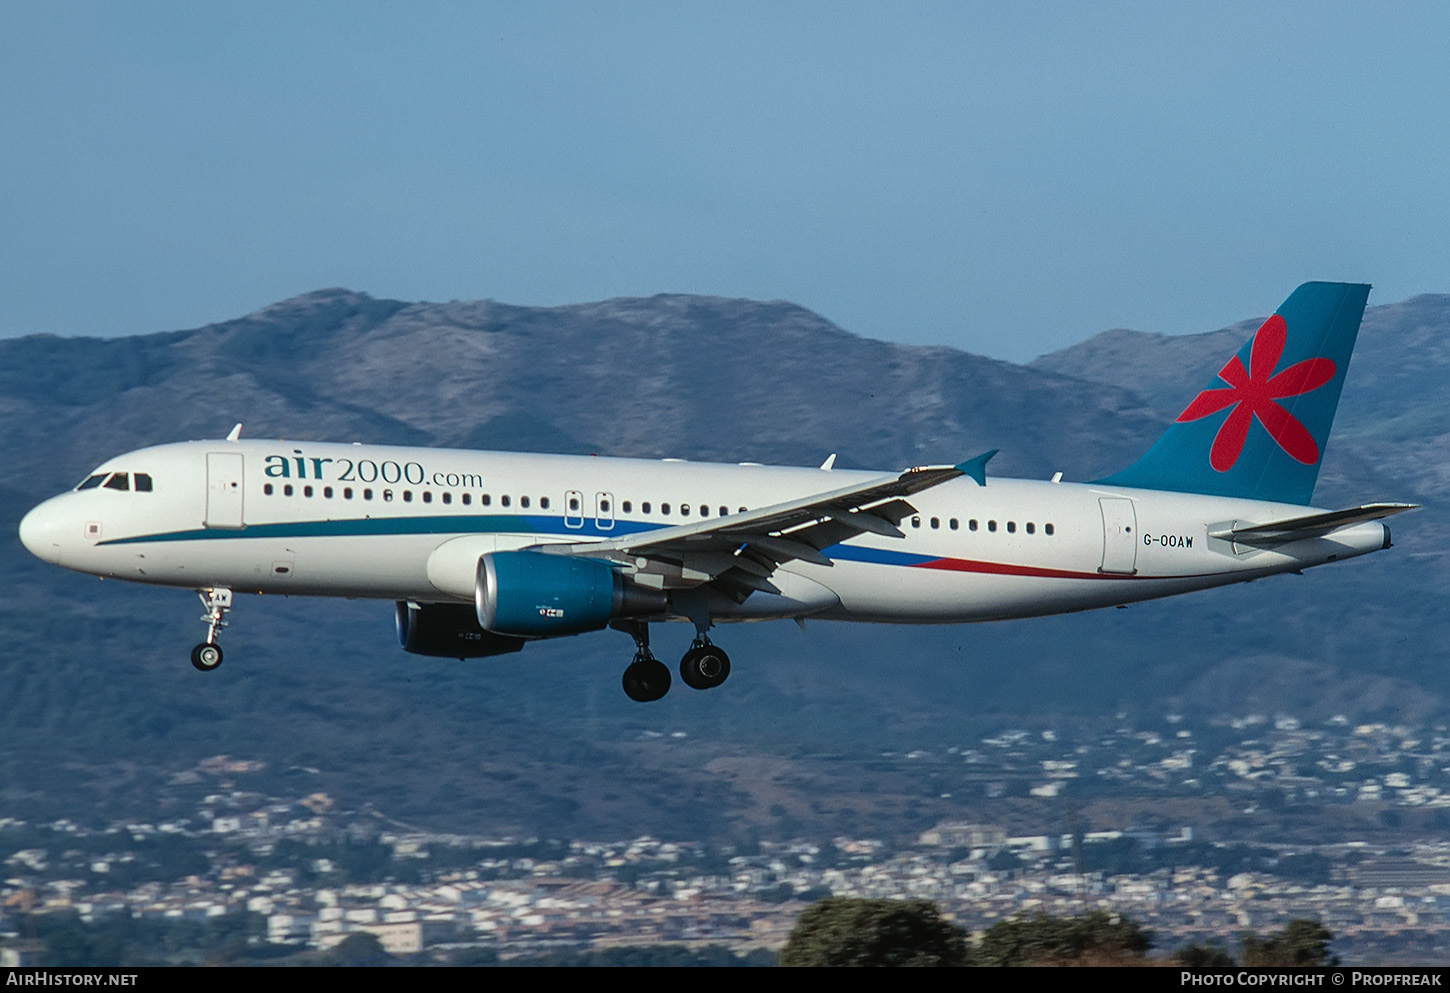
646,680
206,656
704,667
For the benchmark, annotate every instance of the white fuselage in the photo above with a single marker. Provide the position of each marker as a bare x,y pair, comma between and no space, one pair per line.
410,524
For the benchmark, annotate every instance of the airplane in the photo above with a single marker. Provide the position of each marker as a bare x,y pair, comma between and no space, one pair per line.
483,552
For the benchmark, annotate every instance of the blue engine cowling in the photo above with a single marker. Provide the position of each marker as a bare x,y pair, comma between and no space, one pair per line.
536,595
449,630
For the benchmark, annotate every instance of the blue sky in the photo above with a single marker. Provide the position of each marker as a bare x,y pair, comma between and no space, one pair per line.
1004,178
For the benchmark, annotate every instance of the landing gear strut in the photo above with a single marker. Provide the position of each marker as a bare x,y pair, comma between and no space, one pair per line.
217,601
647,678
704,666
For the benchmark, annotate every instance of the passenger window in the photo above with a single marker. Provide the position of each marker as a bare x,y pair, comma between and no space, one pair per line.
347,492
485,500
543,503
991,525
307,491
143,482
916,522
523,502
407,496
1011,527
665,509
644,507
467,499
287,490
972,524
367,494
1047,528
267,489
936,523
628,507
427,496
503,500
1031,528
684,510
327,492
952,524
448,498
118,481
724,511
387,496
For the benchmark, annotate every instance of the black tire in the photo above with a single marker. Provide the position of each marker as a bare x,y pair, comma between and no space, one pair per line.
206,656
646,681
704,667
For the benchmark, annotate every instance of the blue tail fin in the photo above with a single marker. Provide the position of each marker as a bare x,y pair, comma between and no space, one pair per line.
1260,428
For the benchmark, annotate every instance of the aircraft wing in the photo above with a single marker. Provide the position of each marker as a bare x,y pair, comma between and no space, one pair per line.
739,551
1311,526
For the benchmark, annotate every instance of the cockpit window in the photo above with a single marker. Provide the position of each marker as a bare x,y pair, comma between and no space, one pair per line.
118,481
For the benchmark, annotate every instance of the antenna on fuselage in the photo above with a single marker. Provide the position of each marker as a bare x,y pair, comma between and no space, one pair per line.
235,432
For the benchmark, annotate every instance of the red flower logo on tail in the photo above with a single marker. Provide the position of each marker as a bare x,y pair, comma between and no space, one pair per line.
1252,393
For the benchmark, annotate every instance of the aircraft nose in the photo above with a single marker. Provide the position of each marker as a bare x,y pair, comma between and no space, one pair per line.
40,532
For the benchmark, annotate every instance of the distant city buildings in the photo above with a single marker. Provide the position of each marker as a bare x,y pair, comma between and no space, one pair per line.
317,871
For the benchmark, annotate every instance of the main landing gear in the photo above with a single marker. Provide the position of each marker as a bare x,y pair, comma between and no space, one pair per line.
704,666
647,678
217,601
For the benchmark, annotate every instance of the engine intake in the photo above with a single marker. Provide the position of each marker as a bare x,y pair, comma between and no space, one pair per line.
536,595
449,630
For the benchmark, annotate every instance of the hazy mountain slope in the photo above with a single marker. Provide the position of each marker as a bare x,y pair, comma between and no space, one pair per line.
700,377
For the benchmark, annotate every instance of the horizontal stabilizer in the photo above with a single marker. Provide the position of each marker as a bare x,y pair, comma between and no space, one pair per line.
1311,526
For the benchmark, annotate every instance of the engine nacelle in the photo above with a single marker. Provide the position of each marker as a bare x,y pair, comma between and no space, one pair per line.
449,630
536,595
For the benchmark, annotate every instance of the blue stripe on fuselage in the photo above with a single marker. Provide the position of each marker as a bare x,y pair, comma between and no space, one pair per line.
477,524
372,526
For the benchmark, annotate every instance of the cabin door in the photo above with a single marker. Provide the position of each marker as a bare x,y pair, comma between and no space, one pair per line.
1120,538
224,490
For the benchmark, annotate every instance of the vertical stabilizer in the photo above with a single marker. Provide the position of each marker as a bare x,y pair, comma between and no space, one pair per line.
1260,428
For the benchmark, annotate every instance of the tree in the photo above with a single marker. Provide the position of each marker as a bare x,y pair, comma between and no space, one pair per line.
847,932
1094,938
1303,942
1204,955
359,948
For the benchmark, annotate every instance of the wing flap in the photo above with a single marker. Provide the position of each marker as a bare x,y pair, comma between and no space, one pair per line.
754,543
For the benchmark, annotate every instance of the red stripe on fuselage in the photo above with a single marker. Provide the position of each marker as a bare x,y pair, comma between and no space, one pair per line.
1008,569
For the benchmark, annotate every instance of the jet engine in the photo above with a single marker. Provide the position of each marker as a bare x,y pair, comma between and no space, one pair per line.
536,595
449,630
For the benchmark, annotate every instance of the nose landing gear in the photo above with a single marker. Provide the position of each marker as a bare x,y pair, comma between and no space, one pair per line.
217,601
